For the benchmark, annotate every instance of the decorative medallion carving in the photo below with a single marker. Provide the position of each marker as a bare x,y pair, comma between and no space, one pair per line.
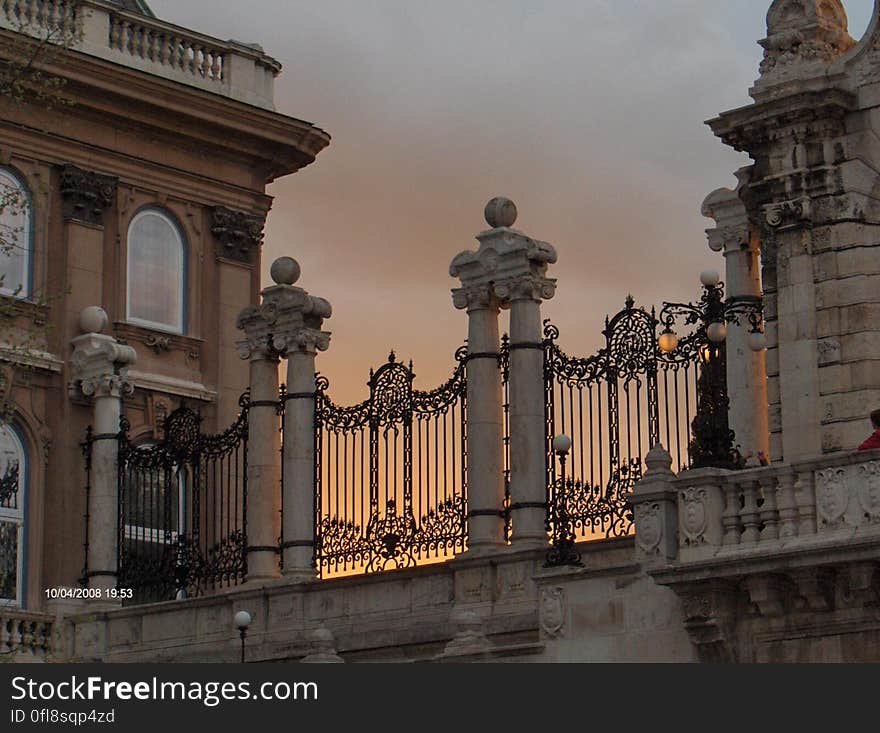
694,516
553,611
649,527
869,490
831,496
238,235
85,194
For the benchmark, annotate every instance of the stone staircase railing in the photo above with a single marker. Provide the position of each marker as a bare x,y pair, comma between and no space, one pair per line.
24,636
230,68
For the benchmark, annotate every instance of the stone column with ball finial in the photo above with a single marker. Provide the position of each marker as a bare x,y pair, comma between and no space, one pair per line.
288,324
99,372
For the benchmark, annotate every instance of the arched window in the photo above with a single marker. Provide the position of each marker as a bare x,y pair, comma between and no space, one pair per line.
15,235
13,483
156,272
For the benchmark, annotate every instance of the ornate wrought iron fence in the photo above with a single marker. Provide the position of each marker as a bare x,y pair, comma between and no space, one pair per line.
615,405
182,523
391,485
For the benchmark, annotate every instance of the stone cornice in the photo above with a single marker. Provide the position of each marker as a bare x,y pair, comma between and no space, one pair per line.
283,144
798,115
85,195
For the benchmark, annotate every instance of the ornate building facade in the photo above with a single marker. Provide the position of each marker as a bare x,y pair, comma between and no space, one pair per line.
522,511
144,195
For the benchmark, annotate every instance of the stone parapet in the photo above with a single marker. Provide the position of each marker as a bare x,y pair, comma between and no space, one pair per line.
230,68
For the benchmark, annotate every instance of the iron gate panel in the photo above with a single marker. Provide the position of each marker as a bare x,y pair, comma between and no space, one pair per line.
391,473
615,405
182,524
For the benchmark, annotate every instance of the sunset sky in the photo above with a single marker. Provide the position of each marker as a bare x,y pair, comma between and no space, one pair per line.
587,113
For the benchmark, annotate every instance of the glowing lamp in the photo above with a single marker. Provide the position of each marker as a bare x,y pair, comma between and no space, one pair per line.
668,341
710,278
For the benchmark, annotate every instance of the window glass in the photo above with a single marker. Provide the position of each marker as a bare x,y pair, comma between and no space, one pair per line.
155,272
15,236
12,489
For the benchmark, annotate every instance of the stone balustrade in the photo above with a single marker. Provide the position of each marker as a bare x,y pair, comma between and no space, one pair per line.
717,512
24,636
237,70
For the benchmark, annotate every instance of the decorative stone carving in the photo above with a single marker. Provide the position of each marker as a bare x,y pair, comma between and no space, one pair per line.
323,648
650,527
709,614
869,490
816,587
694,516
470,637
832,496
552,612
788,213
85,194
766,592
99,363
238,235
802,33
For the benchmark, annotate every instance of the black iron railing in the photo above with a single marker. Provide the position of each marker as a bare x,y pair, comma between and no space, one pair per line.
182,525
391,487
615,405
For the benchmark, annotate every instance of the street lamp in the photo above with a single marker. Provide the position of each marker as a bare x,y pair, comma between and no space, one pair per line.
712,440
242,621
562,550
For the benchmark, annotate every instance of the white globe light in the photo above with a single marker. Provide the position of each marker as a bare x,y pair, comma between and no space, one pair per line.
242,620
716,332
668,342
757,341
561,444
710,278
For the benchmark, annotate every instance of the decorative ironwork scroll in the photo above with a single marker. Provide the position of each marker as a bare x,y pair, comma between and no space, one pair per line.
391,473
182,527
615,405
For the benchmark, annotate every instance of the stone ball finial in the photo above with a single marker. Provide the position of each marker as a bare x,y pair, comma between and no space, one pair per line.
93,319
285,271
500,212
658,459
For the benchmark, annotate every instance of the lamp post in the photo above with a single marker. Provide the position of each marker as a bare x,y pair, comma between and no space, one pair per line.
242,621
712,439
562,550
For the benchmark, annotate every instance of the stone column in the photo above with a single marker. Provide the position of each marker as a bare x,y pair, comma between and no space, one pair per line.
524,262
746,368
99,368
290,322
264,445
507,269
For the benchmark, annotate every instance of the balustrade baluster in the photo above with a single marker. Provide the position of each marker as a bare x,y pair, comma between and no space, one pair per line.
769,515
750,512
730,519
788,510
805,494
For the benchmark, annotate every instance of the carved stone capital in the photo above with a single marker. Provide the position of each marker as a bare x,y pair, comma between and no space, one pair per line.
100,366
476,297
527,286
237,234
288,320
85,194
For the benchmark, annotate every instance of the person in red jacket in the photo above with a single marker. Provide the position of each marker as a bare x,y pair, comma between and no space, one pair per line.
873,442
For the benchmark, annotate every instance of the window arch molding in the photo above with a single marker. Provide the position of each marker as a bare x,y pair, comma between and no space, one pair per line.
15,472
156,270
17,233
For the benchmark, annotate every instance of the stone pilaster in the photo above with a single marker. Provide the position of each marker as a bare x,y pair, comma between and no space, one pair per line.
99,372
746,370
